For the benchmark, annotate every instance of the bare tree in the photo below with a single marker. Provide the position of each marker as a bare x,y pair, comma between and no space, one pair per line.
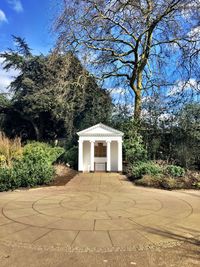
141,44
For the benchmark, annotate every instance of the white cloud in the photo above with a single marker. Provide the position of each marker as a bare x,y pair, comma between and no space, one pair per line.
194,36
187,9
6,77
2,16
194,32
181,86
117,91
88,56
16,5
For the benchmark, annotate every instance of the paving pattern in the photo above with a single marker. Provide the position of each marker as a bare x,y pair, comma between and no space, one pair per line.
99,211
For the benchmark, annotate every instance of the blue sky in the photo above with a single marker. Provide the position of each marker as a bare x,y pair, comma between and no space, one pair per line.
29,19
32,20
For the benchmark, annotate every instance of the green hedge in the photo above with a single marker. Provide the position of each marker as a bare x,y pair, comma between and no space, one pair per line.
8,179
41,152
142,168
35,167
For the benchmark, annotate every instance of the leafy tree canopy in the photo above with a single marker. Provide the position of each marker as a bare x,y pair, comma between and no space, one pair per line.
52,95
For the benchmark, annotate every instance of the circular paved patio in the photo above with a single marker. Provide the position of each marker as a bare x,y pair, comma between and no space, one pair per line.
99,211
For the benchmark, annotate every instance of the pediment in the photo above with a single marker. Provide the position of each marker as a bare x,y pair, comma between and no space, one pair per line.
100,129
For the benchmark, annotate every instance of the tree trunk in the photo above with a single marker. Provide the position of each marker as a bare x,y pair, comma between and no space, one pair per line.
36,129
138,96
138,105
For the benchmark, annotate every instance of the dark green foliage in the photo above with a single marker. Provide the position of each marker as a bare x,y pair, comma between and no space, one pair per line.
71,157
4,101
134,149
35,167
8,179
4,105
175,171
33,173
141,168
37,152
166,177
187,138
52,97
176,139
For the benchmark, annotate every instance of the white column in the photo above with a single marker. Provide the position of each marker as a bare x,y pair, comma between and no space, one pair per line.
91,156
80,155
108,156
119,156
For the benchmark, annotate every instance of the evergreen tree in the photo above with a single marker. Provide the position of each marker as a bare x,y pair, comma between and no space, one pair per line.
52,96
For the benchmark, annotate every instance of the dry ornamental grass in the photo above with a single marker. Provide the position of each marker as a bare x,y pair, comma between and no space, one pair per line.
10,149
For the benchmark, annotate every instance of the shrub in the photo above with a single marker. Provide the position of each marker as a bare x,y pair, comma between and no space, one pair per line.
142,168
41,152
34,168
71,157
190,180
25,174
148,180
134,150
175,171
8,180
170,183
32,174
197,185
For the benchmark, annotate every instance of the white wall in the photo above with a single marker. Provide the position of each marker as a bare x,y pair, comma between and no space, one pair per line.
86,155
114,156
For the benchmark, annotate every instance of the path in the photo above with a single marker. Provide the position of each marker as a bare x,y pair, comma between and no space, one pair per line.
99,213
